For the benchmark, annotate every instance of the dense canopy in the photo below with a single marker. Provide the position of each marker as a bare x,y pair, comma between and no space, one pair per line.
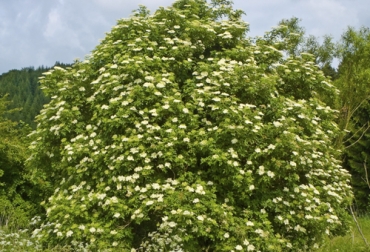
179,133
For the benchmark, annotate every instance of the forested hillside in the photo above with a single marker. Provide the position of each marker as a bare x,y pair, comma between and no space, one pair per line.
24,93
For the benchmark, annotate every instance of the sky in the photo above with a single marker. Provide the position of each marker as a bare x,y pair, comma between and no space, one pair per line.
35,33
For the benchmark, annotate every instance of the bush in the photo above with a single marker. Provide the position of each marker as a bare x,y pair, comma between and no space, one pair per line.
15,214
180,133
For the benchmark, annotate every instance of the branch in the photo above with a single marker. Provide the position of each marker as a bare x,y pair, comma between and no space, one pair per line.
356,132
358,106
358,227
368,126
367,178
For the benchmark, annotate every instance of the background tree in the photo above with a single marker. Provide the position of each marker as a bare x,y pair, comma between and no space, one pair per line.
179,132
353,83
22,88
16,206
291,38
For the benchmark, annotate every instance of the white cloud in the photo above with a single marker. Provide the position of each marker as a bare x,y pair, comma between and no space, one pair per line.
53,25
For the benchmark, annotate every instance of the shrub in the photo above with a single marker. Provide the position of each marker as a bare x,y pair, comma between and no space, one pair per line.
181,133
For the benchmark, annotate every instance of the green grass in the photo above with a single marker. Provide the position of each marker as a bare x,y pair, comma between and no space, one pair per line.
352,242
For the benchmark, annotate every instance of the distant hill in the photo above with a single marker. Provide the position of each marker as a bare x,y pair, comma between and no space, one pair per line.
22,87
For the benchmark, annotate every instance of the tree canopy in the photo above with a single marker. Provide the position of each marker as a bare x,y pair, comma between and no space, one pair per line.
353,81
180,133
15,209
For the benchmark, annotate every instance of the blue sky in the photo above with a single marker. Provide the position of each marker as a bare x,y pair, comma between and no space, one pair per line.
34,33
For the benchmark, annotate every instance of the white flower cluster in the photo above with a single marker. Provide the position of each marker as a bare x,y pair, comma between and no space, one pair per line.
158,133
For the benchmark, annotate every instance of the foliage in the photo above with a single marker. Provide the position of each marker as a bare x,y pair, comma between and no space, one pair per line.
357,157
353,241
179,133
354,77
11,241
15,207
294,41
23,90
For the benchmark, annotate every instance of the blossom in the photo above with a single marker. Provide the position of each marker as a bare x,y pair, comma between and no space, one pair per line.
69,233
250,247
156,186
226,235
277,124
261,170
299,228
172,224
238,247
249,223
270,174
150,202
271,147
92,230
201,218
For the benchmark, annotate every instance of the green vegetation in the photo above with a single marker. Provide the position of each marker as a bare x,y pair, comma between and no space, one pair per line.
180,132
353,81
353,241
15,207
24,93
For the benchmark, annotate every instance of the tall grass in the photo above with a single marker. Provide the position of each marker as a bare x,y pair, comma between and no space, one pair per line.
353,241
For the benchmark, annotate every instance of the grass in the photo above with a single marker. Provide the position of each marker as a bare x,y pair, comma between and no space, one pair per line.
352,242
